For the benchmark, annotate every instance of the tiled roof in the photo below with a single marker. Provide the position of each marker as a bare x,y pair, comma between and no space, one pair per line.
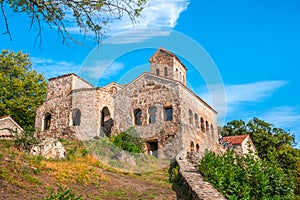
5,116
236,139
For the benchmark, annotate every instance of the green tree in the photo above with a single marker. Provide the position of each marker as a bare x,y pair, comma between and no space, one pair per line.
88,15
273,144
22,89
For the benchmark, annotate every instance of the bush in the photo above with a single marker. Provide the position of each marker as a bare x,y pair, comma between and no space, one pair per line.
63,193
24,140
129,141
246,177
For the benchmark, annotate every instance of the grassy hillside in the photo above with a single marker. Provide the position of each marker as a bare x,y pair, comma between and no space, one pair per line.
29,177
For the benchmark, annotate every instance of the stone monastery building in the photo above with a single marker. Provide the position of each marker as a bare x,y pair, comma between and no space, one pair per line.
167,114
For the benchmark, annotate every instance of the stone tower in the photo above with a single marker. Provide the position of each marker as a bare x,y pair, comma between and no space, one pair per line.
165,63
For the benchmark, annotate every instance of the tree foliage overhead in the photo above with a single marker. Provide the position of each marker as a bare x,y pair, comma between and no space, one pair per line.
22,89
88,15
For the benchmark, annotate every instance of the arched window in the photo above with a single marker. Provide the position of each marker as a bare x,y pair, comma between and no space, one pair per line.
196,120
192,146
197,147
165,71
190,116
157,71
138,116
207,126
76,115
47,121
202,125
152,115
212,129
168,113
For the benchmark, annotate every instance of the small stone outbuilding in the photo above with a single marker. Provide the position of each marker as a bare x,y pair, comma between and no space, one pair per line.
241,144
7,124
165,112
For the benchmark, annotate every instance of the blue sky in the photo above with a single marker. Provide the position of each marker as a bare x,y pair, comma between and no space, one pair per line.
255,45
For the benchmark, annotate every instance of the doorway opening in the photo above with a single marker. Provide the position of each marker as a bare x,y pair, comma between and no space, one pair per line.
152,148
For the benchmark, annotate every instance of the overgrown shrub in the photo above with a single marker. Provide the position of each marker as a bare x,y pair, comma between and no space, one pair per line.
24,140
63,193
246,177
129,141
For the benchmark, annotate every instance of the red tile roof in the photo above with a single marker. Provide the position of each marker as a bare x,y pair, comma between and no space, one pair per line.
236,139
5,116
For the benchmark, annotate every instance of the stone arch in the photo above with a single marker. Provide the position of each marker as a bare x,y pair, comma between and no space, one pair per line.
47,121
138,116
76,117
152,114
192,146
106,121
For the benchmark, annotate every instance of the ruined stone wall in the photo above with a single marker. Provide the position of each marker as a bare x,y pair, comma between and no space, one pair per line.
144,93
58,105
192,134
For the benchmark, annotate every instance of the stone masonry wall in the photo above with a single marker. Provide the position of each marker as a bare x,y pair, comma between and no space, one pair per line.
58,104
191,128
142,94
90,102
194,182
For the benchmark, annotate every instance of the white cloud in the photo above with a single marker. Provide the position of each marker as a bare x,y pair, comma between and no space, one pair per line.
157,14
284,116
102,69
52,68
236,95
